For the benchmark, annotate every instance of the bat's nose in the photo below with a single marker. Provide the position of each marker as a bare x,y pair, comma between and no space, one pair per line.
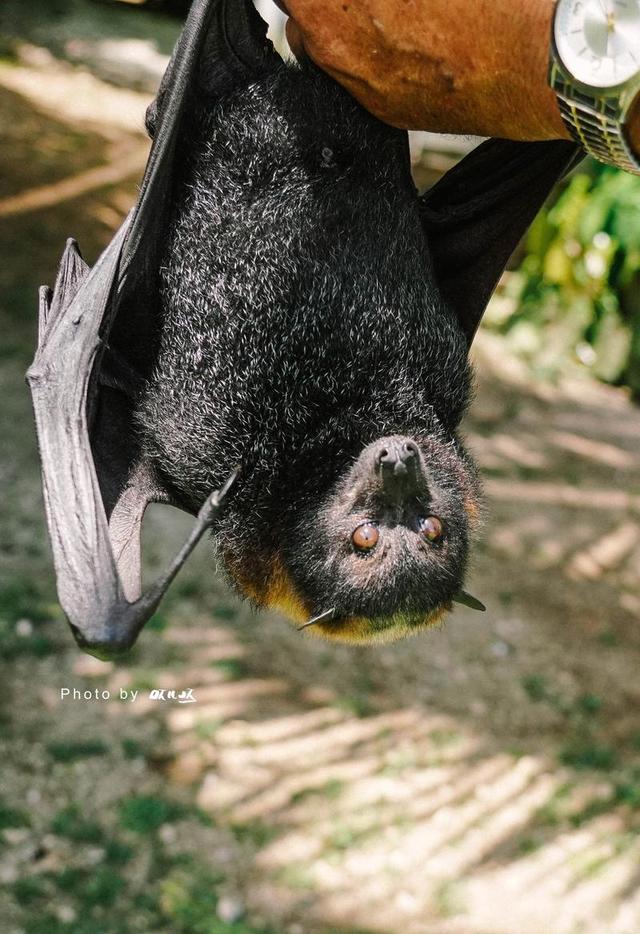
398,467
397,458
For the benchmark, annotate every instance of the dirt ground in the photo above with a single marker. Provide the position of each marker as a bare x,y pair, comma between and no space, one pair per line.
481,779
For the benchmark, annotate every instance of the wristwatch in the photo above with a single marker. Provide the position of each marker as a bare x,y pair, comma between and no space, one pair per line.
595,72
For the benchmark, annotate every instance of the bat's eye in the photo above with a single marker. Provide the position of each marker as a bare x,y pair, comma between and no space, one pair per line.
431,528
365,537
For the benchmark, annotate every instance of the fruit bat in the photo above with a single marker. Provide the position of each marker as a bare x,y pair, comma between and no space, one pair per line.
276,342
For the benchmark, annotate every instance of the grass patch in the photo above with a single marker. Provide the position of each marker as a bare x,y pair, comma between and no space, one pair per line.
131,748
528,844
118,853
589,755
225,611
551,813
441,738
13,646
13,817
188,588
102,888
207,729
29,890
146,813
608,638
232,668
345,836
71,879
589,704
70,752
21,599
255,831
449,899
535,687
357,704
622,794
143,681
189,902
331,790
50,924
158,622
70,823
296,877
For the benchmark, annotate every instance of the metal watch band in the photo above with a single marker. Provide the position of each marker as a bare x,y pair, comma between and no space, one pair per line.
594,122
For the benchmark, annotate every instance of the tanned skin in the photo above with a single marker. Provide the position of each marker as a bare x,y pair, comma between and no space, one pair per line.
449,66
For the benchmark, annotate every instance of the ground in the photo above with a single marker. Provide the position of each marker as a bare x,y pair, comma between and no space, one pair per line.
483,778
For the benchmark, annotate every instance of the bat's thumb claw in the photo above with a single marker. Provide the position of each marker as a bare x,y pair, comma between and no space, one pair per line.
212,503
231,479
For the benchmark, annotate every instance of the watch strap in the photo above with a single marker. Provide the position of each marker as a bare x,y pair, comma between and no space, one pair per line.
594,122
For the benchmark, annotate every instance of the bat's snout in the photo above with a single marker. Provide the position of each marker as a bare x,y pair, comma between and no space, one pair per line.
397,457
398,466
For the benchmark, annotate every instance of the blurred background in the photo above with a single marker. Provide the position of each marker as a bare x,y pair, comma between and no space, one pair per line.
481,779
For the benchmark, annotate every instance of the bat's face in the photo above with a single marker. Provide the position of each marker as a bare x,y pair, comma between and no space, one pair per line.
386,550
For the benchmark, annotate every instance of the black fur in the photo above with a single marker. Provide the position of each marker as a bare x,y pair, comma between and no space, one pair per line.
300,323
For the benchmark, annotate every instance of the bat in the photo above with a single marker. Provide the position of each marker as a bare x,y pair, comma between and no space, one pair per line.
276,341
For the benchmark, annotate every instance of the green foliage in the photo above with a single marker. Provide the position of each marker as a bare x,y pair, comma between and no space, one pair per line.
575,299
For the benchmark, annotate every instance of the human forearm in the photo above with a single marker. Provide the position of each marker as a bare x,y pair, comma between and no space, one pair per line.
406,63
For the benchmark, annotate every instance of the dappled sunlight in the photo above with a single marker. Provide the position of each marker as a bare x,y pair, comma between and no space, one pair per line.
607,454
403,817
561,494
606,554
77,98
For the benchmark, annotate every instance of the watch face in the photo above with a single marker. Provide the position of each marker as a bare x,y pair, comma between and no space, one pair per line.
599,40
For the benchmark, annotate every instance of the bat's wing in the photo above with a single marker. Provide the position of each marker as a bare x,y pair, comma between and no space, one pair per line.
476,215
97,332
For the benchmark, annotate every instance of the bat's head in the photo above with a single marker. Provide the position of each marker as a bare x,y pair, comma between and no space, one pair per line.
384,552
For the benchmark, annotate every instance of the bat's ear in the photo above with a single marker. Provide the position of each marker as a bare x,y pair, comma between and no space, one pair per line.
476,215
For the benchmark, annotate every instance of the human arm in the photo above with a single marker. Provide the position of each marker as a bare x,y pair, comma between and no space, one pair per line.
454,66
